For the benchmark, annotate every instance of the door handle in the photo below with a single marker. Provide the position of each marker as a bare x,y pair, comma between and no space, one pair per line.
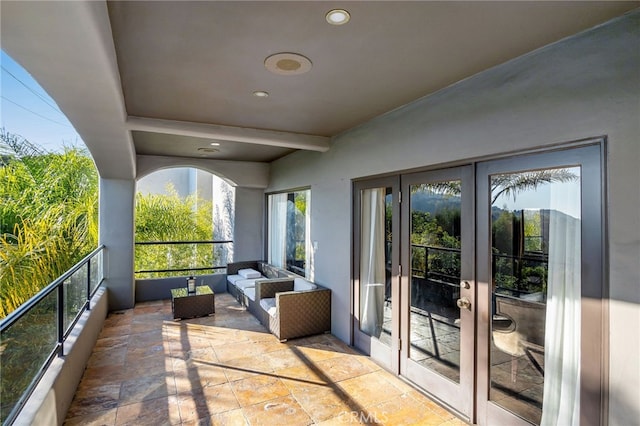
464,303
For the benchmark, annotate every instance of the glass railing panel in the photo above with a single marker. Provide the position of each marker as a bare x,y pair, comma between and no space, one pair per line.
96,272
75,295
25,348
30,338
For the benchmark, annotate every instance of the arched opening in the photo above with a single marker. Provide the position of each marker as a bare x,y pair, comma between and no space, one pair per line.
184,220
48,190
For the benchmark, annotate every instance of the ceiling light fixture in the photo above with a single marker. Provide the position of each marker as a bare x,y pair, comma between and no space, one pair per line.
287,63
207,150
337,17
260,94
214,144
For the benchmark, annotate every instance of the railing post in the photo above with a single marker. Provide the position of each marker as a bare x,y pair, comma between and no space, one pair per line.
87,305
426,263
61,319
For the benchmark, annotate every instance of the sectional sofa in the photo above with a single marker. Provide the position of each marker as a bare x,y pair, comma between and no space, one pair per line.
288,305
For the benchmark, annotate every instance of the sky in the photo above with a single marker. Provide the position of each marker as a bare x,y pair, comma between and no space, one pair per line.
560,196
28,111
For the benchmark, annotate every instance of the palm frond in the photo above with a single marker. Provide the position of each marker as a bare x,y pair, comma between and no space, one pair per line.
450,188
510,184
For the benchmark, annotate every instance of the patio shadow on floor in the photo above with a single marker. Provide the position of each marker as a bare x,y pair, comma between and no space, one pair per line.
147,369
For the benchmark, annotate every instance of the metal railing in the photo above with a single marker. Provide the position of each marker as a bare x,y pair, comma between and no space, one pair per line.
178,257
525,273
521,274
35,333
443,272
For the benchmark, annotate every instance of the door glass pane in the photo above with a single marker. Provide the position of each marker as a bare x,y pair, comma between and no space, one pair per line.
535,224
435,277
375,263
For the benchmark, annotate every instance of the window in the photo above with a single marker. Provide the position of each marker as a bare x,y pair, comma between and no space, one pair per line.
288,239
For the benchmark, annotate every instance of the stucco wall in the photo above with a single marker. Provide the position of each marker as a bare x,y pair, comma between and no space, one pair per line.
156,183
248,242
581,87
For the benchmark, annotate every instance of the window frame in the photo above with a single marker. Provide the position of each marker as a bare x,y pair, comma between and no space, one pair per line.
290,193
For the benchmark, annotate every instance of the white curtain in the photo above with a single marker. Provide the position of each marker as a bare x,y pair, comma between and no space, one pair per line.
277,230
308,253
561,400
372,262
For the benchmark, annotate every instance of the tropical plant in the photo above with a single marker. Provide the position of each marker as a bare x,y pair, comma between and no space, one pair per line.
510,184
48,217
169,217
48,222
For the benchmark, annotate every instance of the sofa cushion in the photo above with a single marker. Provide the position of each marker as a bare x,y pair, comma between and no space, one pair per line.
269,306
250,293
234,278
300,284
249,273
244,284
269,271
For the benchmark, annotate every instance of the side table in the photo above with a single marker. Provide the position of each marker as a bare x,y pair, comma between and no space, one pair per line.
185,305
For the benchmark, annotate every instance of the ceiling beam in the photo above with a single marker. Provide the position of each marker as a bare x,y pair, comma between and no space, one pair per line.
229,133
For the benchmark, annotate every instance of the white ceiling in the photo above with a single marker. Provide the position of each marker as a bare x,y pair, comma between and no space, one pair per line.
183,72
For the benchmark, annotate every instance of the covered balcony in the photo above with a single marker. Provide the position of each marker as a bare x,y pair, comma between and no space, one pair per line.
393,105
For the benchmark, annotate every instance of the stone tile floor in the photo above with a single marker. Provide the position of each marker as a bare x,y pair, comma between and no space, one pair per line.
147,369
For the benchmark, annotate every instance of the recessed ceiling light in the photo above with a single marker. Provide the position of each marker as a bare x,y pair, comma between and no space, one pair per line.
260,94
338,17
287,63
214,144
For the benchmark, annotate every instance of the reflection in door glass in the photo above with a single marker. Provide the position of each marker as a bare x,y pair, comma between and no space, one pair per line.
375,263
435,277
535,227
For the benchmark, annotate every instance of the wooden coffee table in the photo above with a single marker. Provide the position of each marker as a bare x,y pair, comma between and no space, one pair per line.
185,305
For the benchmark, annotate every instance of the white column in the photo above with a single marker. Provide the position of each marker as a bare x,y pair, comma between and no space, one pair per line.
116,232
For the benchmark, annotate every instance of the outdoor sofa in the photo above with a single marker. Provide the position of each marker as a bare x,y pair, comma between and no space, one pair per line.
287,304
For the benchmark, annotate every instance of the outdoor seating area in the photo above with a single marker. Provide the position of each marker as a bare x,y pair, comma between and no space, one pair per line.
288,305
294,213
226,368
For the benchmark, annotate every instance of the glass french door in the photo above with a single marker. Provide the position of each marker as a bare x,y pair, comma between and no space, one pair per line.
540,288
437,287
435,296
376,270
484,284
